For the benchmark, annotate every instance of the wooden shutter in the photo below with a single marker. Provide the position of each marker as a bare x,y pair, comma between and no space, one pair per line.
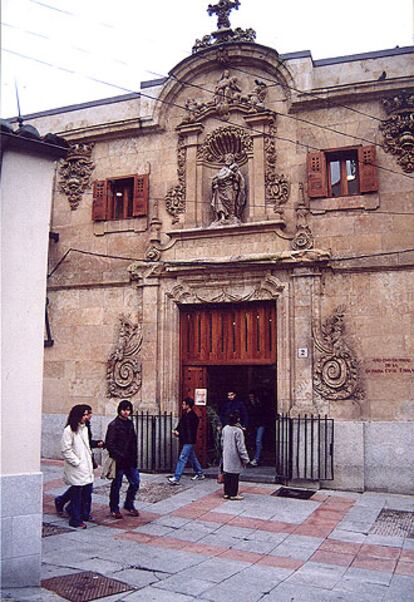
317,181
367,165
100,200
140,202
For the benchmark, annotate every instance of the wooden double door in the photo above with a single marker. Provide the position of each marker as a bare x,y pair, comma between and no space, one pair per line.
224,347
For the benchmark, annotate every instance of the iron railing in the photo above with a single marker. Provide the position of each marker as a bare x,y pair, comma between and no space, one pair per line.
157,447
304,448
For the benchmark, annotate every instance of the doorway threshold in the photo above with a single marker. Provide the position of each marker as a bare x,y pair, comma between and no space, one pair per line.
253,474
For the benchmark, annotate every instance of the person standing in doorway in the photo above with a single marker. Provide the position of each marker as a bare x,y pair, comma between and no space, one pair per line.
234,404
77,466
121,443
186,430
257,421
235,456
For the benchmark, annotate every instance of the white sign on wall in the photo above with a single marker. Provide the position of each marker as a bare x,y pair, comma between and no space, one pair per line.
200,397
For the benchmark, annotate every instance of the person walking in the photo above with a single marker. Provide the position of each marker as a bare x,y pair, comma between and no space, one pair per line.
77,465
235,456
62,500
121,443
186,430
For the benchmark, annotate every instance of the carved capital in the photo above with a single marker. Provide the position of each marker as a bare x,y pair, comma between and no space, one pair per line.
398,129
123,372
337,374
75,172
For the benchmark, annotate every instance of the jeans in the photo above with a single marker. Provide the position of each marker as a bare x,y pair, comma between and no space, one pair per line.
259,442
63,499
132,475
80,504
187,453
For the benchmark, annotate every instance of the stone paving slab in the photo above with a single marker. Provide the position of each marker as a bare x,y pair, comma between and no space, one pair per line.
196,545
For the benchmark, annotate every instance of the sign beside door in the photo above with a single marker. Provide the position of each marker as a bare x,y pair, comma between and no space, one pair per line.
200,397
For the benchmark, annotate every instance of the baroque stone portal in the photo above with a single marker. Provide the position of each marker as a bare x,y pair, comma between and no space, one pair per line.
123,373
228,193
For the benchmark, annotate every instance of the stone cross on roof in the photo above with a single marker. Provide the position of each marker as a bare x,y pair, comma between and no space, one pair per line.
223,10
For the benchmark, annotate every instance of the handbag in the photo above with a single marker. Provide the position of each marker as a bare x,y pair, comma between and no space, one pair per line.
108,467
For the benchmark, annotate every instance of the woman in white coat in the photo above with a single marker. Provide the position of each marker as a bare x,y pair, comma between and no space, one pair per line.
235,456
77,467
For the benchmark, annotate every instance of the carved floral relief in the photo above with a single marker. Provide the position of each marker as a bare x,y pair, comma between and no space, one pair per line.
124,369
75,172
175,199
337,370
398,129
276,185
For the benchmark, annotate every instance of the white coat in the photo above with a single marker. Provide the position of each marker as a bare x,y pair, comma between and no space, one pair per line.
77,467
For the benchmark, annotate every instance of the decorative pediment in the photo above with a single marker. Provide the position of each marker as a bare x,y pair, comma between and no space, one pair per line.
217,291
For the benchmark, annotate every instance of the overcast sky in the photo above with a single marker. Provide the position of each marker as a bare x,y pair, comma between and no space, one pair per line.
56,50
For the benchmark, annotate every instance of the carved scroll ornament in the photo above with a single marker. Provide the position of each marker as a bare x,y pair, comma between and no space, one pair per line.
277,186
398,129
123,373
337,370
75,172
303,239
175,199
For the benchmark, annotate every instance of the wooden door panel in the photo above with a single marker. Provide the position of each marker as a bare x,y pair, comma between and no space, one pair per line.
195,377
229,334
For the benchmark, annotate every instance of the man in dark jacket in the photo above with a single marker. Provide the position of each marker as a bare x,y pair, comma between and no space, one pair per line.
187,432
232,405
121,443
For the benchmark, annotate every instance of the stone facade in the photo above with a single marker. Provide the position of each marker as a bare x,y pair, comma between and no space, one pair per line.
338,267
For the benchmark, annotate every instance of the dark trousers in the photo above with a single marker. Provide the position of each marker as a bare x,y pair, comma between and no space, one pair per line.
80,504
231,483
132,475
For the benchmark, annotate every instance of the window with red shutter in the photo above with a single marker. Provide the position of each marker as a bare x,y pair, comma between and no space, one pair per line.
120,198
342,172
100,200
140,200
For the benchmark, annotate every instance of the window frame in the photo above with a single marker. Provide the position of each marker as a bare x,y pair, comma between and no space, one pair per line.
103,203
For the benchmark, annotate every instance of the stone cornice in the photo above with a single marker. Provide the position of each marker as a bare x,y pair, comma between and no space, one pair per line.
112,129
318,98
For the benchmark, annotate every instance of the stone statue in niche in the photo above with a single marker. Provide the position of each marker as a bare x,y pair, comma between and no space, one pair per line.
228,193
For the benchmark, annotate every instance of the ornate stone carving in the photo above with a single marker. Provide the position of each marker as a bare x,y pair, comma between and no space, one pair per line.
337,371
398,129
223,9
227,96
226,140
175,199
269,287
152,253
228,193
276,186
224,33
303,238
123,372
75,172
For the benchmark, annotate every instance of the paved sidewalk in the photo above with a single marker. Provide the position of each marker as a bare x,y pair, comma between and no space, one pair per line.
196,545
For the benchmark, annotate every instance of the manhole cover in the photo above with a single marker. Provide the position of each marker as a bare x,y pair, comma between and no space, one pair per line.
49,529
395,523
85,586
298,494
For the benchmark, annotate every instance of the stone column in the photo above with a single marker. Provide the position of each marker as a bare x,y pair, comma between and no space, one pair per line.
305,299
150,359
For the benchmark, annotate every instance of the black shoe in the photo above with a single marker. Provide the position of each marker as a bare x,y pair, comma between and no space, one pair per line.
58,506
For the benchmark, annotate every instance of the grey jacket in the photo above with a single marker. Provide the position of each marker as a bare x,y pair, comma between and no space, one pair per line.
234,449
